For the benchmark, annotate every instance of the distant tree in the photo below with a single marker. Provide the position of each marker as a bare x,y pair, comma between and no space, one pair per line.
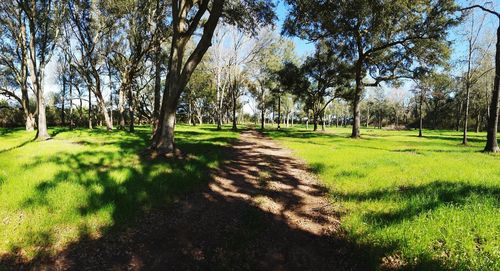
318,81
91,22
381,39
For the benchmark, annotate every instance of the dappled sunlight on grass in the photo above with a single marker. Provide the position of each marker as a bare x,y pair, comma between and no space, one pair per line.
424,200
85,182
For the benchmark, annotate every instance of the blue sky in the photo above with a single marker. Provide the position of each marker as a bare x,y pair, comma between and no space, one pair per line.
302,47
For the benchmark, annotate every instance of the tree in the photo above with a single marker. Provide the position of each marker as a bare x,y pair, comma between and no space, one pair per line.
318,81
474,59
44,21
491,138
186,19
141,20
14,57
91,22
381,39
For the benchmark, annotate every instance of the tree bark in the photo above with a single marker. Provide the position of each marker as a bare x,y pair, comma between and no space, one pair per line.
420,113
491,139
131,109
179,73
63,98
234,91
157,87
356,115
90,126
279,111
262,109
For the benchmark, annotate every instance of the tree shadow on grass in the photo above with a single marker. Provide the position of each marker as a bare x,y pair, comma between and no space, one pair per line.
191,215
416,201
423,198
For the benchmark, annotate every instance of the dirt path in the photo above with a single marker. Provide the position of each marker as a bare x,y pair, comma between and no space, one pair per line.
262,211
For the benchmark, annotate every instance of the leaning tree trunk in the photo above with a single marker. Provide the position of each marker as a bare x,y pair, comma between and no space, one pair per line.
30,120
101,102
491,139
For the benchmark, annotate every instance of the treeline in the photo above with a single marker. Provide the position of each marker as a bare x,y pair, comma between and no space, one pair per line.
126,62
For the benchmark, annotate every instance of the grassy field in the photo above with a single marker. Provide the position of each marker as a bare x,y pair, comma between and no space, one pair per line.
422,203
83,183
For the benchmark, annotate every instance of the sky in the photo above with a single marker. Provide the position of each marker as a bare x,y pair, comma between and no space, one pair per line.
302,47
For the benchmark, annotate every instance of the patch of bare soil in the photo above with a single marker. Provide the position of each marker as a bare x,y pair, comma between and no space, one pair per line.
261,211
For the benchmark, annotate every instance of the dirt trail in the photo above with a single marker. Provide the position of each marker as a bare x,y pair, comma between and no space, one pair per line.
261,211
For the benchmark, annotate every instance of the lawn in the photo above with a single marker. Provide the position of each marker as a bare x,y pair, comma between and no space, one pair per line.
418,203
84,183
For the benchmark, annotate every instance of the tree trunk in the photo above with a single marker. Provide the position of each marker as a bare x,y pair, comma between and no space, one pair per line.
101,102
467,101
323,122
121,107
157,87
367,116
234,111
262,110
25,103
356,100
491,139
420,116
179,72
110,97
63,98
459,114
36,75
307,120
356,114
279,111
90,109
131,109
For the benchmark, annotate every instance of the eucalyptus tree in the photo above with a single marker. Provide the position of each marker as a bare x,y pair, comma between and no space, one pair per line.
91,22
189,17
39,25
44,20
141,23
381,39
14,58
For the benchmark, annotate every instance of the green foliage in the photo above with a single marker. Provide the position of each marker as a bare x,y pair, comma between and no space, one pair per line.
85,182
423,203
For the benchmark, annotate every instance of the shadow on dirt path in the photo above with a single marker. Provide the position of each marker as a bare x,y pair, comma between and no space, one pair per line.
261,211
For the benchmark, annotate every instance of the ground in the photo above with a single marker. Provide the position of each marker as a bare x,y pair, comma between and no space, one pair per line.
95,200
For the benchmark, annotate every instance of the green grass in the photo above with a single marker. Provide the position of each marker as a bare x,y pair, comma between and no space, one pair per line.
426,203
84,183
